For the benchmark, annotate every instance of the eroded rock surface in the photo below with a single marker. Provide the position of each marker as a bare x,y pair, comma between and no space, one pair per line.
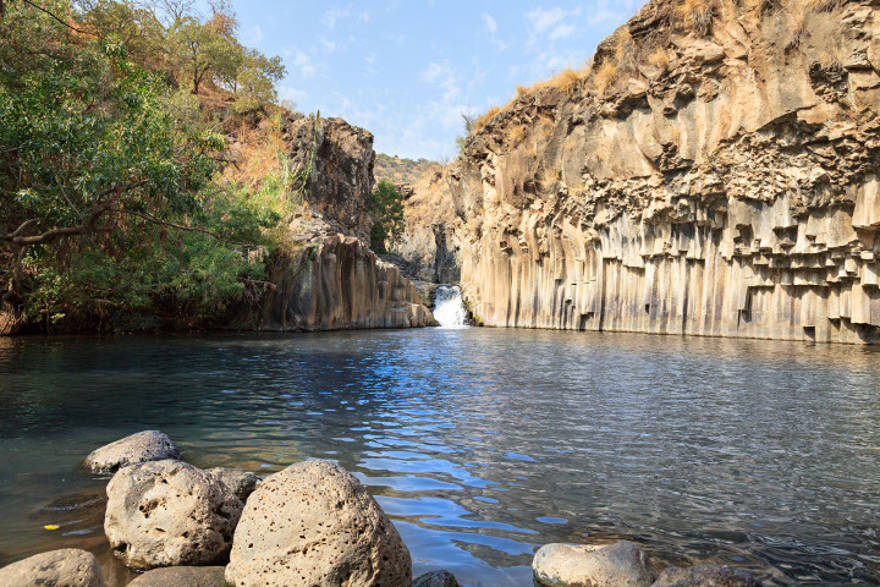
69,567
149,445
715,173
169,513
315,524
181,577
571,565
705,576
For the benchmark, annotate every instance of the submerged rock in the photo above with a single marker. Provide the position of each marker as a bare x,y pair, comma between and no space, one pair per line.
705,576
149,445
166,513
242,483
315,524
574,565
69,567
181,577
436,579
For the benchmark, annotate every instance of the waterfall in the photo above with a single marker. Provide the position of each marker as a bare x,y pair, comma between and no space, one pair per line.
449,308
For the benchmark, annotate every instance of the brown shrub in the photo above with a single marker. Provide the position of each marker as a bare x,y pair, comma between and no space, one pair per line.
604,76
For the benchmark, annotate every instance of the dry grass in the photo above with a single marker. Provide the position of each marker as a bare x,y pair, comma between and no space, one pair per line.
482,120
659,58
604,76
822,5
696,16
515,135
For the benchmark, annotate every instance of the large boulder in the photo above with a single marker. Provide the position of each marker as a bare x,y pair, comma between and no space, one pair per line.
181,577
149,445
315,524
436,579
573,565
69,567
242,483
705,576
167,513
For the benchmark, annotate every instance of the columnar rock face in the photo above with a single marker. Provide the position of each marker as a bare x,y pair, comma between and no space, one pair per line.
338,283
326,277
715,173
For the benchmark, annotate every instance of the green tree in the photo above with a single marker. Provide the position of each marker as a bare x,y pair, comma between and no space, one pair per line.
255,83
386,211
107,206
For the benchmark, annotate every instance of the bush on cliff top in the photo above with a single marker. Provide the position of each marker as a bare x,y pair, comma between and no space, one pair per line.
386,211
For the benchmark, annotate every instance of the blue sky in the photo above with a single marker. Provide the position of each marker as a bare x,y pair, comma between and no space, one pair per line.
407,70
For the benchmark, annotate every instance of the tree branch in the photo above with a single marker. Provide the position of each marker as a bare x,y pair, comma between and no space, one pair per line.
61,20
160,222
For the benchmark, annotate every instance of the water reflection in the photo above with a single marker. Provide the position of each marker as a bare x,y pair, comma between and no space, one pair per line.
482,444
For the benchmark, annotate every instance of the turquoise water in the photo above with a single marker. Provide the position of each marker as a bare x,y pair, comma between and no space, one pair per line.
481,444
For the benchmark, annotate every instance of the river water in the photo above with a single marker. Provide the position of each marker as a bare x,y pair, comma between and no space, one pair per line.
481,444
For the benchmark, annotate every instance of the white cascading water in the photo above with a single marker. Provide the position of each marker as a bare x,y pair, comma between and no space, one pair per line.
449,310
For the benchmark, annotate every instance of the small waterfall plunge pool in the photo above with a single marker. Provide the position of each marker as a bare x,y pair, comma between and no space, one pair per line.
482,444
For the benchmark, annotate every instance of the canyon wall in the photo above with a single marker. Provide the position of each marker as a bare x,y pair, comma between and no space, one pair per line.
325,277
714,172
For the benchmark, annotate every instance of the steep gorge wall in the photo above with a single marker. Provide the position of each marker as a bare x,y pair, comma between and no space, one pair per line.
327,278
716,173
338,283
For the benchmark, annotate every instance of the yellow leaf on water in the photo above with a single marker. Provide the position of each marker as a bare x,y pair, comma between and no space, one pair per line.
51,527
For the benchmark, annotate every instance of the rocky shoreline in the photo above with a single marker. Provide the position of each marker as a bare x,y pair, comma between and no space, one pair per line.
312,523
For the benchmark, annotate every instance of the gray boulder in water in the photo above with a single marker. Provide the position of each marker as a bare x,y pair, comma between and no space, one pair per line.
242,483
168,513
181,577
705,576
69,567
573,565
149,445
436,579
315,524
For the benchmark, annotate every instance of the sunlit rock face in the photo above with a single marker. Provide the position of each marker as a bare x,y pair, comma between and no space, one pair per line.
715,174
338,283
325,277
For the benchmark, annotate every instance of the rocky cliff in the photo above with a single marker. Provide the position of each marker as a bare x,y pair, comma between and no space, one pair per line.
326,277
714,172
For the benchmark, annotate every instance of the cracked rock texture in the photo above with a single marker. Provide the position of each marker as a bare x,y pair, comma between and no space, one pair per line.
169,513
715,173
315,524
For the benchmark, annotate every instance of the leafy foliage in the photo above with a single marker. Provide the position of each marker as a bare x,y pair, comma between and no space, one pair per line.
110,216
386,211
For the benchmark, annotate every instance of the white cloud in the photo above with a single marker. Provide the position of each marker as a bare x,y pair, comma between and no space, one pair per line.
442,75
555,23
562,31
335,14
301,62
542,19
490,23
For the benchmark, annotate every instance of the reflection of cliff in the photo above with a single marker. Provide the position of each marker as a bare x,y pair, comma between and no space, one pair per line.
715,173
